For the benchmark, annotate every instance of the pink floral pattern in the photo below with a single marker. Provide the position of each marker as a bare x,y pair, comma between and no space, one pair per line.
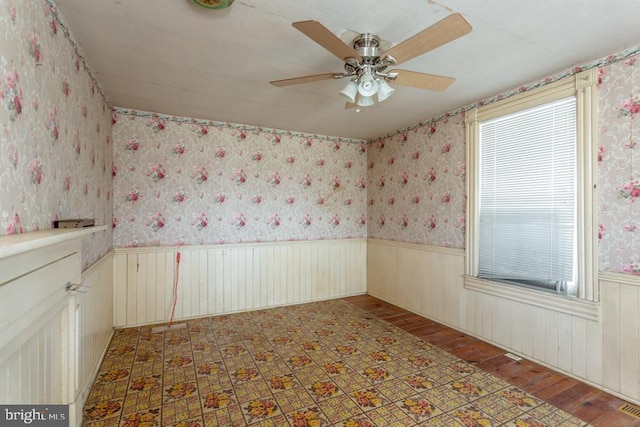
237,184
619,167
55,148
184,181
416,187
416,176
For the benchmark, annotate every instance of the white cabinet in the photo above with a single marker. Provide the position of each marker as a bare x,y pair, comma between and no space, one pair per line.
39,321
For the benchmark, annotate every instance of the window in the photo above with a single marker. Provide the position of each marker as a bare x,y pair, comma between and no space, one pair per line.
527,181
530,193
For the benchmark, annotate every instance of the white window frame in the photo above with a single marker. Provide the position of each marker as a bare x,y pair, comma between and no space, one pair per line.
583,86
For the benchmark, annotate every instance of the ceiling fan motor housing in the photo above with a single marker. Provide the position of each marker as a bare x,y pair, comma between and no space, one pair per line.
367,46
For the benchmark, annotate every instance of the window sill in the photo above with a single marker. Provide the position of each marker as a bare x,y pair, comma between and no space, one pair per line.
561,303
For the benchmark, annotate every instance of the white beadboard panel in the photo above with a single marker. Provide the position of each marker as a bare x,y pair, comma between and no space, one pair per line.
565,346
37,335
120,291
94,324
35,372
595,350
601,348
539,337
620,295
223,279
497,320
28,298
579,346
610,299
423,279
515,328
58,337
488,309
629,335
550,333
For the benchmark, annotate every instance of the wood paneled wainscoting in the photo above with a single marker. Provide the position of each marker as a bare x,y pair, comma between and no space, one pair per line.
55,321
94,320
229,278
601,350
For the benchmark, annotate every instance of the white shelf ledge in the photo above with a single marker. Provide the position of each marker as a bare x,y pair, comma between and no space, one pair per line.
14,244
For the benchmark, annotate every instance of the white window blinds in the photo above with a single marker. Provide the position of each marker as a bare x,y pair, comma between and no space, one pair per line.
527,209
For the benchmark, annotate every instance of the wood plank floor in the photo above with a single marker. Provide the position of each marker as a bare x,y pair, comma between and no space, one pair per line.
581,400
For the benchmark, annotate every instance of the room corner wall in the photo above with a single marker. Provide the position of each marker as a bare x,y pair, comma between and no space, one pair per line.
182,181
413,269
56,138
56,162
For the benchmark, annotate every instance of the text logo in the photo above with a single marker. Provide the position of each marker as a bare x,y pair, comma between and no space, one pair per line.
34,415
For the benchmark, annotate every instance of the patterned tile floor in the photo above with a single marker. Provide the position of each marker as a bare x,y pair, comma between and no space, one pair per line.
318,364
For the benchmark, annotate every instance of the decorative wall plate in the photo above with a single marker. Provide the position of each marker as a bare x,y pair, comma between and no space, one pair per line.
213,4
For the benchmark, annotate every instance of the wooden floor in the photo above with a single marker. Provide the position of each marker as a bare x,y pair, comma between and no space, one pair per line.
581,400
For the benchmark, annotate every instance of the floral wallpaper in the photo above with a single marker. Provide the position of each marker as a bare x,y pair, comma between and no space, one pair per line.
416,184
55,128
234,183
180,181
164,180
416,175
619,166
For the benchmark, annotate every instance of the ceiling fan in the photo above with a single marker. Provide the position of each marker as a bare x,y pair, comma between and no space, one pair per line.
366,63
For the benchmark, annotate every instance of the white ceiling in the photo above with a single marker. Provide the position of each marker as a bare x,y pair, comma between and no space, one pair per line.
173,57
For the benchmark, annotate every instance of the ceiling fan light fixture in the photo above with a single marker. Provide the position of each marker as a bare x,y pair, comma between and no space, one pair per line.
366,60
384,90
368,85
350,91
364,101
